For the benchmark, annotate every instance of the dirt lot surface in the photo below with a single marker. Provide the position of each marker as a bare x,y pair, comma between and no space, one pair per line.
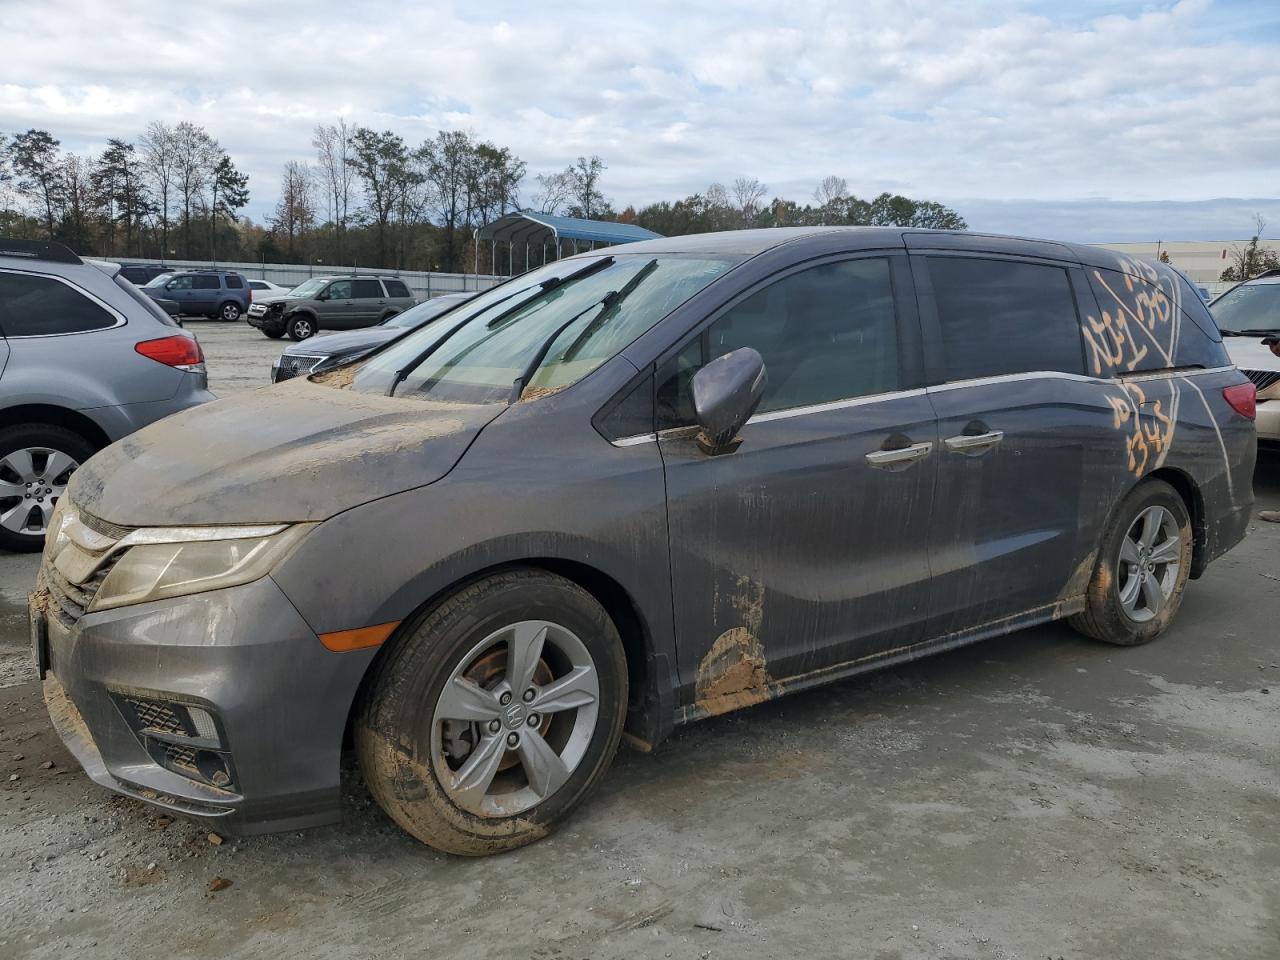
1037,796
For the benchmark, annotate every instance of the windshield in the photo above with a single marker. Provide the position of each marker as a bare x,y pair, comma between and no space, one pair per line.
308,288
574,323
1251,308
161,280
416,316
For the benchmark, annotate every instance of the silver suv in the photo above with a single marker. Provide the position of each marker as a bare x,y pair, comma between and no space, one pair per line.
85,359
330,303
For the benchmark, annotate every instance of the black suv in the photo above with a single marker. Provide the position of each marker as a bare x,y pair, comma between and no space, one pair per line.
140,274
223,294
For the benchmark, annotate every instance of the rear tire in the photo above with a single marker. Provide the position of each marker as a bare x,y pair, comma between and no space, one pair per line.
1142,568
229,311
472,755
36,460
301,327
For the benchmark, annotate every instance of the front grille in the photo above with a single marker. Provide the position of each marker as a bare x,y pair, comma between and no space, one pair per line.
291,366
1263,378
70,600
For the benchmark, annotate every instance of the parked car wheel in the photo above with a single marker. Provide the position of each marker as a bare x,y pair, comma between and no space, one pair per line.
36,460
495,714
229,311
301,327
275,333
1141,570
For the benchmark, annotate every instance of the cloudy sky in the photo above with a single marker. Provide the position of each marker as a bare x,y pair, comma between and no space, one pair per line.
1088,120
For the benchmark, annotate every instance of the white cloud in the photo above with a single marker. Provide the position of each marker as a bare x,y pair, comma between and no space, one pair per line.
997,100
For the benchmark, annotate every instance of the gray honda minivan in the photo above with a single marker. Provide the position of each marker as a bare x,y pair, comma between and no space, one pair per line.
625,491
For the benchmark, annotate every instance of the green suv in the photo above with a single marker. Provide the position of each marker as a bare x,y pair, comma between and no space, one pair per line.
330,303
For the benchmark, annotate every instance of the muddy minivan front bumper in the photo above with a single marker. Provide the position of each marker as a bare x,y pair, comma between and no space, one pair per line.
223,705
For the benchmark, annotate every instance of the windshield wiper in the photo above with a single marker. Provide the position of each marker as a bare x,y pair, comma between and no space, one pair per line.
608,303
545,286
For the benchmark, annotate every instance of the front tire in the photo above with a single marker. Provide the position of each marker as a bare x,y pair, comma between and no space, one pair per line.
1142,568
275,333
494,715
301,327
36,461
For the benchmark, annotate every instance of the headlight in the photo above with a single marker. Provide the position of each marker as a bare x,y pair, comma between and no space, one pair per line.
174,563
56,536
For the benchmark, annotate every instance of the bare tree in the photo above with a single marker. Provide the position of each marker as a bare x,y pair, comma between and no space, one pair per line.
196,154
1250,260
831,189
295,210
333,149
553,192
747,194
160,163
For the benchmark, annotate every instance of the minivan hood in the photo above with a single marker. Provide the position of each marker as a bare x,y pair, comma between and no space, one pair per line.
292,452
1250,353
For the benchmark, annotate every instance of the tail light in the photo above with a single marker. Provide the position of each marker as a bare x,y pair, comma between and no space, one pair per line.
1243,398
178,351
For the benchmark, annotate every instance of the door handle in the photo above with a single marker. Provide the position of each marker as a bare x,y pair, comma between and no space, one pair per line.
900,457
974,443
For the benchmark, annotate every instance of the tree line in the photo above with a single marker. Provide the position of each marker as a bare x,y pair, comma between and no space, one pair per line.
363,197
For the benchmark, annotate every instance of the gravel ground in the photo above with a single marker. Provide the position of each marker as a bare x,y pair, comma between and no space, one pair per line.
1036,796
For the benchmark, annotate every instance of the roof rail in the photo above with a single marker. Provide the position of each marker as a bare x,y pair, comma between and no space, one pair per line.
1273,272
37,250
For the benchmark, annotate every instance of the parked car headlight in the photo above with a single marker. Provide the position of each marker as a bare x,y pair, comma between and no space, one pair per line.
162,563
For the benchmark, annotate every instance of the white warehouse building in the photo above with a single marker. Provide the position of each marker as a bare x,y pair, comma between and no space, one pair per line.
1201,260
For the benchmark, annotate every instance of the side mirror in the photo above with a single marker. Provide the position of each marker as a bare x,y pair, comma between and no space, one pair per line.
322,295
726,393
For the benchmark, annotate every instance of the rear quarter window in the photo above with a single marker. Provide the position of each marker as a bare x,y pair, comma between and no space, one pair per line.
234,282
34,306
396,288
1147,321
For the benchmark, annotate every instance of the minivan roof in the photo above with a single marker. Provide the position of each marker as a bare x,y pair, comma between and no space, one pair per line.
748,243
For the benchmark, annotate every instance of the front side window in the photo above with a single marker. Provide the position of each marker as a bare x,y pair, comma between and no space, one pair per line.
827,333
32,306
340,290
366,290
1002,316
546,329
179,283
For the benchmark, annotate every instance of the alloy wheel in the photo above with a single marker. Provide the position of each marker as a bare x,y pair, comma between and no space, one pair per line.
515,718
1147,568
31,481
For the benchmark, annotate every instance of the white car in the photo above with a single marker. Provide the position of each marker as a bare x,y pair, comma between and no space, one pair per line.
1249,316
267,288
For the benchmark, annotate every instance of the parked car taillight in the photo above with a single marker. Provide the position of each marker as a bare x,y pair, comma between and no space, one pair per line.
178,351
1243,398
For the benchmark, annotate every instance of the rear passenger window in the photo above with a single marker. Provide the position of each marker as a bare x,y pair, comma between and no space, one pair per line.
1001,316
234,282
366,290
396,289
39,306
204,282
827,333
